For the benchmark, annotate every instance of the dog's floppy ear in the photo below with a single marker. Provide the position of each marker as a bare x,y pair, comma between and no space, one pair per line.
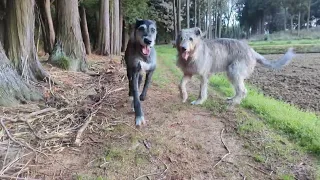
138,22
203,34
197,31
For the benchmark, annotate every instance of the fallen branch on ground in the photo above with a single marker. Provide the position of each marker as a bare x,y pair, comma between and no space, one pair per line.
226,147
153,174
77,142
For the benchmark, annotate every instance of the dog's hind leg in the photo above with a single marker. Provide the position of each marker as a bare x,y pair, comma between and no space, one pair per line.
236,77
139,117
146,85
203,91
183,90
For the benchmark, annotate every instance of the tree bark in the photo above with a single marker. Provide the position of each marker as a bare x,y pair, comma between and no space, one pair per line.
120,27
84,30
20,45
116,27
285,19
125,36
299,23
175,19
309,12
104,43
2,20
13,90
220,24
291,23
179,15
188,13
199,16
47,25
195,13
69,50
209,30
216,21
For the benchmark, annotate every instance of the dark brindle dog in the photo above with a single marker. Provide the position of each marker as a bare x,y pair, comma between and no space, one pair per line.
140,56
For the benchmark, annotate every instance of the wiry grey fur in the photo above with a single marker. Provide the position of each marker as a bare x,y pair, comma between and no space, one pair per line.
143,35
207,57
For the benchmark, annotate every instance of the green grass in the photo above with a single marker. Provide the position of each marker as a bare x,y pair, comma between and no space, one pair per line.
299,126
281,46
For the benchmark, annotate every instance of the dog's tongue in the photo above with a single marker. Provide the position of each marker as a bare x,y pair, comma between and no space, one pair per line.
146,50
185,55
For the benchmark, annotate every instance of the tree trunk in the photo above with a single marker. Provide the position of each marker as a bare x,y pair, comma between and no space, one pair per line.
308,18
179,15
220,24
116,28
199,15
103,47
20,45
175,19
69,50
216,21
125,36
188,13
13,89
291,23
47,25
2,20
120,27
84,30
285,19
299,23
195,13
208,20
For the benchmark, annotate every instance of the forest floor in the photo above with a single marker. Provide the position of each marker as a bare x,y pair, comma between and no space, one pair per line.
180,141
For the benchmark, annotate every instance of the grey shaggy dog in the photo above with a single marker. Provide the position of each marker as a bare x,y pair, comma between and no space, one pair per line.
199,56
140,56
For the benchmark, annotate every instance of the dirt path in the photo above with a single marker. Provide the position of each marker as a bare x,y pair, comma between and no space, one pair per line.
180,141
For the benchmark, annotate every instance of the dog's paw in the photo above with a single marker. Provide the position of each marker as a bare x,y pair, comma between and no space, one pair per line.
140,121
142,97
197,102
132,104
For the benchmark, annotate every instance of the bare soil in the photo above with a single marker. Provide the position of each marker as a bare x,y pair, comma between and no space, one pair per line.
297,84
180,141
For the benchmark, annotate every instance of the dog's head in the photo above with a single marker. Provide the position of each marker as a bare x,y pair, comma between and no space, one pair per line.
145,34
187,41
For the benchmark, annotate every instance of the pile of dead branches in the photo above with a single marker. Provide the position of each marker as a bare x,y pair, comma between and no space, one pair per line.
70,107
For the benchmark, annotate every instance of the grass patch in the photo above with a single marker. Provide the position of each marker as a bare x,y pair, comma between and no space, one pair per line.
297,125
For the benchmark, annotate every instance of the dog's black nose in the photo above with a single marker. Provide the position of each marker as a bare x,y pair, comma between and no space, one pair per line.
183,49
147,41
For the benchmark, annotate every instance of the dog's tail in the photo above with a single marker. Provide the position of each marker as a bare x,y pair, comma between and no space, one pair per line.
277,64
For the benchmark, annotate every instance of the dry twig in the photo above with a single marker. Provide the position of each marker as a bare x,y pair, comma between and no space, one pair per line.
77,142
153,174
225,147
12,139
258,169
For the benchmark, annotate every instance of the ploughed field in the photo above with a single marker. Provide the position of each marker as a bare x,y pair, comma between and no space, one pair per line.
298,83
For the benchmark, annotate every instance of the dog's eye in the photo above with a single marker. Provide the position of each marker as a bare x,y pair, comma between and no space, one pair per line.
191,39
141,28
153,30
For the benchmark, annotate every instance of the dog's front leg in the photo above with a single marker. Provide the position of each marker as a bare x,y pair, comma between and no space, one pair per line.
146,85
137,105
203,91
183,89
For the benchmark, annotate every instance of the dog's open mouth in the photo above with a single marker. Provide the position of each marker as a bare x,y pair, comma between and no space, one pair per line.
185,55
145,50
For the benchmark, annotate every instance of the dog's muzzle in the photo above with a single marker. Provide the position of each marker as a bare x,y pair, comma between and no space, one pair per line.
184,53
147,41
